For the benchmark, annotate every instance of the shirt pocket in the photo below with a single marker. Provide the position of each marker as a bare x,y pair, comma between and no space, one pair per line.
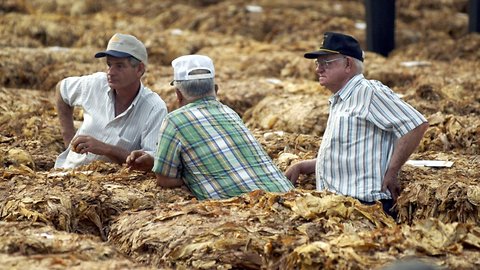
348,128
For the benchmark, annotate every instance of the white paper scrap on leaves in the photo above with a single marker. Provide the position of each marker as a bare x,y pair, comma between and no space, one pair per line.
176,32
430,163
46,235
273,80
410,64
65,173
254,8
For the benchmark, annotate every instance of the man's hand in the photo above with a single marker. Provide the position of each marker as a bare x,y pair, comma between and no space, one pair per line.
83,144
140,160
391,183
168,182
293,172
302,167
402,150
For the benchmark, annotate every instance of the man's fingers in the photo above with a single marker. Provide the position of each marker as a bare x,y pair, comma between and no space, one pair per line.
134,157
394,196
394,191
76,147
384,187
292,175
129,159
397,193
294,178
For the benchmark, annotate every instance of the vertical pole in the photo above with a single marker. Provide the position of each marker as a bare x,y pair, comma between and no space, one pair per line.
474,16
380,16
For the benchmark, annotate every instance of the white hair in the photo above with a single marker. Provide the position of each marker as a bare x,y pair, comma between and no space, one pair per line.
358,65
194,89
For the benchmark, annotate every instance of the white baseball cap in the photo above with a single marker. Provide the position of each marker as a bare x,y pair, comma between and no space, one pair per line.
122,45
184,66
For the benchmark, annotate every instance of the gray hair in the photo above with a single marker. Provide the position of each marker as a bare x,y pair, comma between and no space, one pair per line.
198,88
358,65
134,62
194,89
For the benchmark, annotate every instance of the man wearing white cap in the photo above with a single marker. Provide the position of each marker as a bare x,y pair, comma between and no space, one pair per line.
120,114
205,144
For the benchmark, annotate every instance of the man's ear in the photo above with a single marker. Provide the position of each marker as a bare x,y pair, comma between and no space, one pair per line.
179,96
348,64
216,89
141,69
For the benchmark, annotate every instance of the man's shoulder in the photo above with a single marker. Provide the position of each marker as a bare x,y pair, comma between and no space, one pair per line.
153,99
372,87
99,75
177,119
102,76
189,114
85,83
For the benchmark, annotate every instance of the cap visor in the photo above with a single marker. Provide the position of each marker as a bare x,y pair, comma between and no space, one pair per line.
112,53
316,54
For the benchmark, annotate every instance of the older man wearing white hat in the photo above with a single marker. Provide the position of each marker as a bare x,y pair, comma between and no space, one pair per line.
205,145
120,114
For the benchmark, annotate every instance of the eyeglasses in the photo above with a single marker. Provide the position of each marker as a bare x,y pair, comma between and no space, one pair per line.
325,64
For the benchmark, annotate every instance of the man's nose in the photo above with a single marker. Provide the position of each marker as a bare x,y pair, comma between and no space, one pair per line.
111,70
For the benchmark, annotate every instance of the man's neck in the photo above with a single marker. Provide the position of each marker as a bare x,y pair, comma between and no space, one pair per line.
125,97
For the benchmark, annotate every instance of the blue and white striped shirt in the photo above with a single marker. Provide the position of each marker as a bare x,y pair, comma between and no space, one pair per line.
366,119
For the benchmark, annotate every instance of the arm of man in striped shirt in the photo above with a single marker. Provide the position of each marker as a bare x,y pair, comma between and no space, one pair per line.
403,149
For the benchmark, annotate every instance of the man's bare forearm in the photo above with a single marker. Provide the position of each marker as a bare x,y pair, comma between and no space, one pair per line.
65,116
168,182
405,147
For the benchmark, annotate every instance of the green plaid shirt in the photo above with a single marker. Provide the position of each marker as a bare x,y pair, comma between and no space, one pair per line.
207,145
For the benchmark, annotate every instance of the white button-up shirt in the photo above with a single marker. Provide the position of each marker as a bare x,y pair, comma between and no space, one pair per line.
135,128
366,119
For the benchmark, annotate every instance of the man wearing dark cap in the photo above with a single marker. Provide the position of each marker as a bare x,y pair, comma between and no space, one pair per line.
120,114
370,132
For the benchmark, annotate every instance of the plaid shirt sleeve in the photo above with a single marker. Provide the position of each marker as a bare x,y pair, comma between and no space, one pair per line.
167,158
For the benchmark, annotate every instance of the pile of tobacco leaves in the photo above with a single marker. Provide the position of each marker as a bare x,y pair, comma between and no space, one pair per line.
105,216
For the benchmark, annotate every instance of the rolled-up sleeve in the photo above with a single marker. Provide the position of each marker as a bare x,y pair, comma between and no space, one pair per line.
389,112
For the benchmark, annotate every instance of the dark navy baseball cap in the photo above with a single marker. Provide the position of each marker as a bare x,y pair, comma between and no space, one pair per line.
336,43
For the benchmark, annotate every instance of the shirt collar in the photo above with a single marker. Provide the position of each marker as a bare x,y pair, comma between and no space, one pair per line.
204,99
347,89
140,93
135,100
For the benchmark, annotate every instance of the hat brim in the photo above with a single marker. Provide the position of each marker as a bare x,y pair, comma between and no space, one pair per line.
112,53
316,54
